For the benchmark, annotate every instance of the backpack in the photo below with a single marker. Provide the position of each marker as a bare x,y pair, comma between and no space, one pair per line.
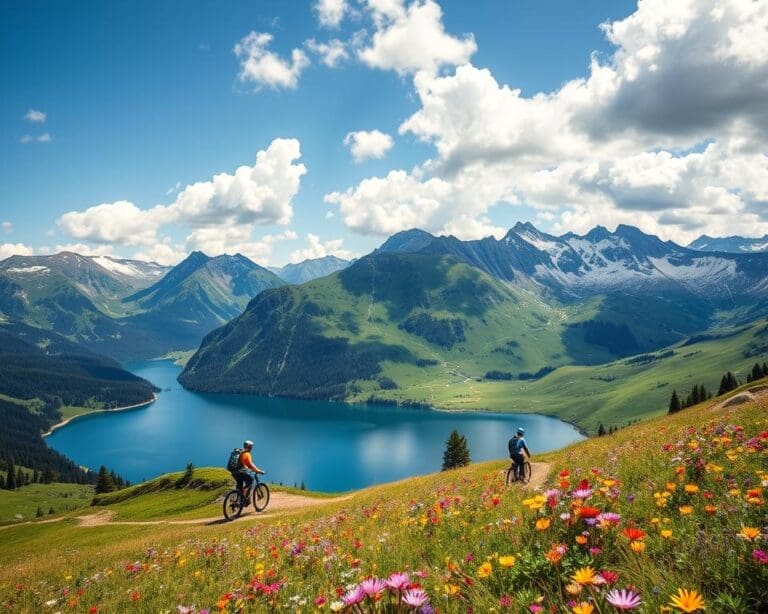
233,464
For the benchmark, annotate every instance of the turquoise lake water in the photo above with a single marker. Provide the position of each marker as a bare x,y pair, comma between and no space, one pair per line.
331,447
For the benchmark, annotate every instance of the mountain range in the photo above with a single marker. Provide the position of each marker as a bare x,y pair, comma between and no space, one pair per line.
508,310
302,272
733,245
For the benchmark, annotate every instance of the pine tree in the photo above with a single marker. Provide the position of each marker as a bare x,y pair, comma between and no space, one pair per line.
600,430
765,369
104,481
189,472
10,480
39,512
757,372
674,403
113,478
303,486
20,478
48,475
456,452
728,383
703,393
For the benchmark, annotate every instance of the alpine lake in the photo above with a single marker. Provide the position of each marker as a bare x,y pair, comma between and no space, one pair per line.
328,446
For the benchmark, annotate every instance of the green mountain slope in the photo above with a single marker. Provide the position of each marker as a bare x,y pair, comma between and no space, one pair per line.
407,314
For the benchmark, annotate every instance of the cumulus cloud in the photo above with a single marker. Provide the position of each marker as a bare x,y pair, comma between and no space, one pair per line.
316,248
42,138
162,253
368,144
15,249
331,53
259,194
331,12
120,222
223,211
263,67
35,116
85,250
672,125
410,39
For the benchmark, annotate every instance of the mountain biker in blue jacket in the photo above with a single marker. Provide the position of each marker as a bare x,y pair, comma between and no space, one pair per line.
516,447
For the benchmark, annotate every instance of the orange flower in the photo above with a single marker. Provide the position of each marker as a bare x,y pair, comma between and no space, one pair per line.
691,488
687,601
542,524
749,533
484,570
633,533
686,509
637,547
666,533
507,561
581,540
583,608
584,576
710,509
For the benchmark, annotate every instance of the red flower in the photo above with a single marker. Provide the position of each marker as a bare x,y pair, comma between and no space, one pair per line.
588,512
611,577
564,473
633,533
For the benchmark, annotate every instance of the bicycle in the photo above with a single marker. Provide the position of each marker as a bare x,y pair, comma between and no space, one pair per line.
512,474
234,501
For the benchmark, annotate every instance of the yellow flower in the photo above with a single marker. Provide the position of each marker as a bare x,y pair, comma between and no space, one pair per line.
691,488
584,575
507,561
573,588
749,533
637,546
542,524
452,589
666,533
583,608
687,601
484,570
685,509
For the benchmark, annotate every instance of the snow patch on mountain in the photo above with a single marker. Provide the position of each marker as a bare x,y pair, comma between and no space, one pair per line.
28,269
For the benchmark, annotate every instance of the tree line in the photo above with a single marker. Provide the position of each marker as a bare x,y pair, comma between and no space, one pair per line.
728,383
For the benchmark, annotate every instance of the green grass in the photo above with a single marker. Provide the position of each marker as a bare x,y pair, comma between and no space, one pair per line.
23,503
614,393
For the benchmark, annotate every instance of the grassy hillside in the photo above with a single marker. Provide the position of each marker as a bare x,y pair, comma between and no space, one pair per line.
23,503
685,515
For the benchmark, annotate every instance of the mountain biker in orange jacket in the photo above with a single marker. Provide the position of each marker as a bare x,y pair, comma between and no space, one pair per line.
243,475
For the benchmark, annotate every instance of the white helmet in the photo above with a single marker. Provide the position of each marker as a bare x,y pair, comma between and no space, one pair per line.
247,443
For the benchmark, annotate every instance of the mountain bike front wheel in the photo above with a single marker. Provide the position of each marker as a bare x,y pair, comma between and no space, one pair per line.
260,497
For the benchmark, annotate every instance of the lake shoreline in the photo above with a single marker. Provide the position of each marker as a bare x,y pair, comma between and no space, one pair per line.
66,421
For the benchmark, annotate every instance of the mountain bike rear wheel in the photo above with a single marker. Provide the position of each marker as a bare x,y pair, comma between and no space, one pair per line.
233,504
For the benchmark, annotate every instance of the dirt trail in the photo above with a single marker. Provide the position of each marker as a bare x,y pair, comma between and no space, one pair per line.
750,395
279,502
539,473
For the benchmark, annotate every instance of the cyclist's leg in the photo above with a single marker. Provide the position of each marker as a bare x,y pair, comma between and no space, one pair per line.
248,483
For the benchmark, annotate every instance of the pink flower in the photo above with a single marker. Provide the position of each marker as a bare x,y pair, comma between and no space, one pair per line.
398,581
505,601
373,586
623,599
415,598
185,609
320,601
354,596
582,493
760,556
535,608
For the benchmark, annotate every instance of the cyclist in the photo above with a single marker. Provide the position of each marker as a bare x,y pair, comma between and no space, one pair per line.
243,473
516,447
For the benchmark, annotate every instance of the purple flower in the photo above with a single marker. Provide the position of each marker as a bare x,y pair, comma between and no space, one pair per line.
582,493
415,598
623,599
608,519
354,596
373,586
398,581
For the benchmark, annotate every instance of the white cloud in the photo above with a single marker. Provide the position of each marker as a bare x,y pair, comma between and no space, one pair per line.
253,195
259,194
263,67
331,53
410,39
368,144
35,116
44,138
121,222
173,189
316,248
331,12
15,249
7,226
162,253
233,240
628,143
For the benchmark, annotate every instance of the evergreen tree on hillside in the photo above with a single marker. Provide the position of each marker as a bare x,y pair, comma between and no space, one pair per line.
48,476
765,369
600,430
104,481
456,452
674,403
728,383
757,373
187,477
10,480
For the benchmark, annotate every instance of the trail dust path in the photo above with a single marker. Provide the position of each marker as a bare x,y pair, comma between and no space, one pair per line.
539,473
278,502
750,395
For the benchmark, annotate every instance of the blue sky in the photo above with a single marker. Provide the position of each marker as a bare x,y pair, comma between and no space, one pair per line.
142,99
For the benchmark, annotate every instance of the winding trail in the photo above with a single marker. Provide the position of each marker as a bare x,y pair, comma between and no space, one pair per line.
280,503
